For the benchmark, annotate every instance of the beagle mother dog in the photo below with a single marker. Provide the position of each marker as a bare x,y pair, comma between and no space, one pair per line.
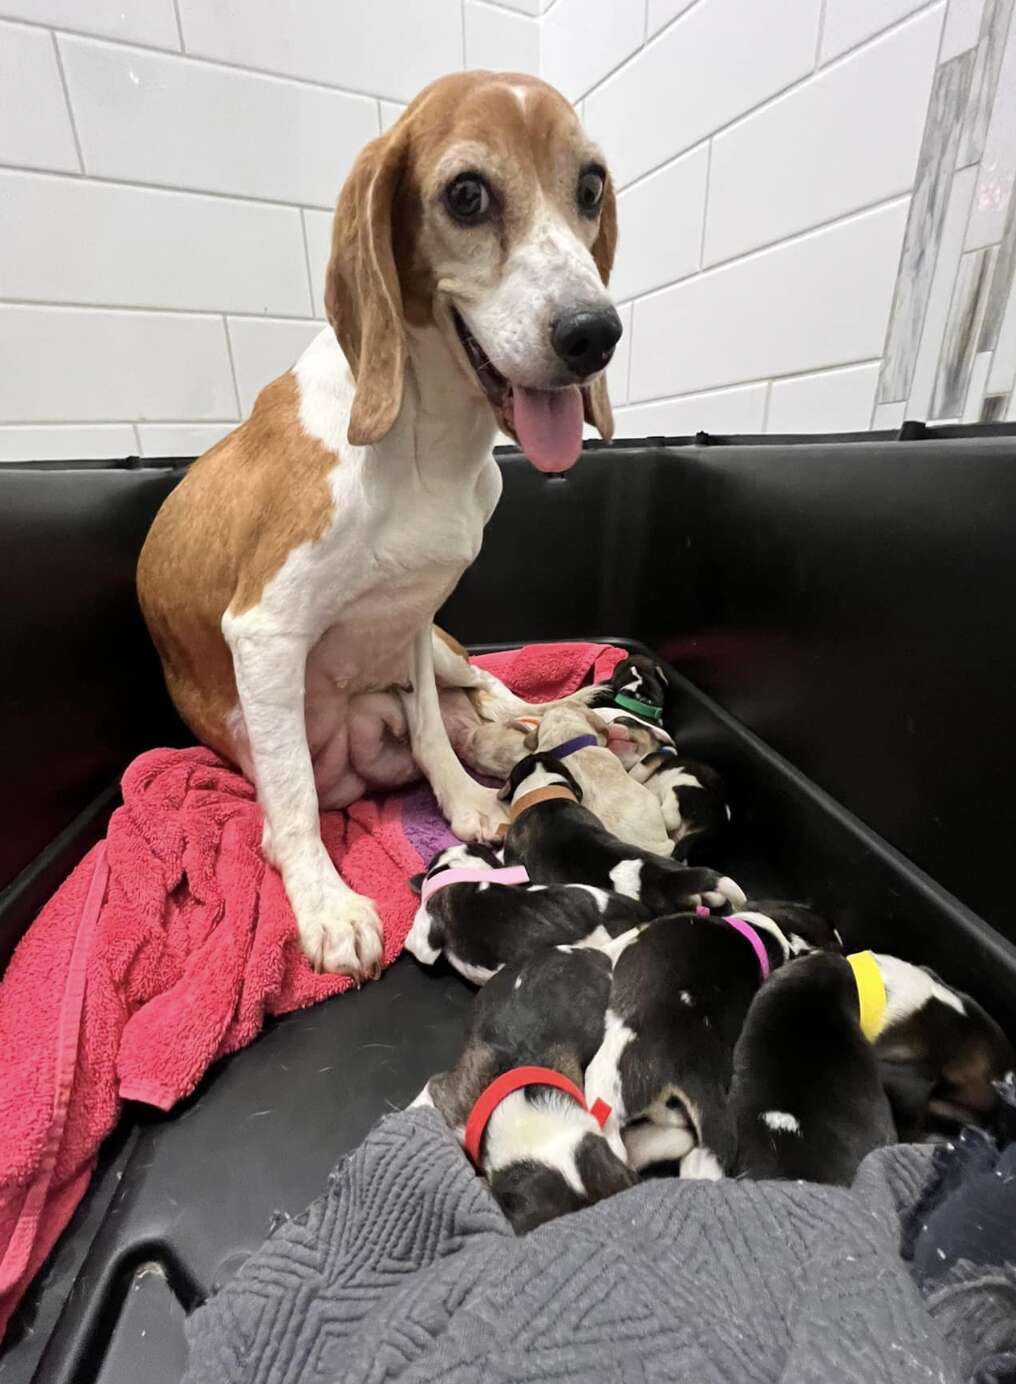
291,580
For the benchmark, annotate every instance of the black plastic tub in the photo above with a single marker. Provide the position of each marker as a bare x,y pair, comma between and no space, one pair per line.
837,615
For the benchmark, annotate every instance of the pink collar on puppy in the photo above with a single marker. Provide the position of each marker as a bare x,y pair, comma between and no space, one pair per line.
508,874
501,1087
747,932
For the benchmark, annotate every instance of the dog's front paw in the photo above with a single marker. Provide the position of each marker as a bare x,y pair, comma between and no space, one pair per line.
340,931
478,816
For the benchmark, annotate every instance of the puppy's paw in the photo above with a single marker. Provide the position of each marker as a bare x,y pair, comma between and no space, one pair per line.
727,891
707,889
340,932
478,816
701,1164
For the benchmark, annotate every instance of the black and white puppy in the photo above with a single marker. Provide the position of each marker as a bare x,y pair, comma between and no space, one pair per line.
560,842
806,1097
542,1152
680,990
941,1052
638,685
481,925
692,796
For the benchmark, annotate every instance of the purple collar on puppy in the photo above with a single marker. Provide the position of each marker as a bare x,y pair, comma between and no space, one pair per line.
747,932
567,747
508,874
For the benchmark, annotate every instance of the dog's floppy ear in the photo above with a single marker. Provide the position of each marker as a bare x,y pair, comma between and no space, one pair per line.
595,399
416,882
363,299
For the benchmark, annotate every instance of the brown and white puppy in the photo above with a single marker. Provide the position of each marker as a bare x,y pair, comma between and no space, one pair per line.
295,571
626,808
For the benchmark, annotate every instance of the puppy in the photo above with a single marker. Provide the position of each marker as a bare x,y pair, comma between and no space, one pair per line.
680,990
625,807
691,795
561,842
481,925
940,1052
638,686
806,1096
541,1150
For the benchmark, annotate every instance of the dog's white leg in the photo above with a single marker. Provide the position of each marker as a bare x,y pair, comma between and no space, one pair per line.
603,1079
339,930
473,811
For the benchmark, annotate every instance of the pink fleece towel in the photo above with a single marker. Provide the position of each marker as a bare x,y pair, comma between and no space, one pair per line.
168,946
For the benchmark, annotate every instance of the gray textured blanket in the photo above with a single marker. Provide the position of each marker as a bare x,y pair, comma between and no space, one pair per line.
406,1270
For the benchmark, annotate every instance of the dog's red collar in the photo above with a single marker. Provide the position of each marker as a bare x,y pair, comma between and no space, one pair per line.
502,1086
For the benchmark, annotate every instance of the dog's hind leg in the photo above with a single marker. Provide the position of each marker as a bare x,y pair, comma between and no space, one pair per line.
488,694
472,811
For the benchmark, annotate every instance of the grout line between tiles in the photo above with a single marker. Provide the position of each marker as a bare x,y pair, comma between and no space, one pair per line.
731,385
67,99
207,313
137,438
232,365
818,36
705,205
306,257
9,425
103,180
776,245
769,100
765,407
223,64
179,25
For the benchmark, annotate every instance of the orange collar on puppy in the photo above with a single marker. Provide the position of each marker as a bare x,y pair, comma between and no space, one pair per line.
541,795
515,1080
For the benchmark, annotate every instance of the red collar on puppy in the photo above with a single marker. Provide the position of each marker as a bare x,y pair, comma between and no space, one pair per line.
515,1080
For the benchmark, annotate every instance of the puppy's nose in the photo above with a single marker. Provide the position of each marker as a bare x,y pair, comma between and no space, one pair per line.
585,338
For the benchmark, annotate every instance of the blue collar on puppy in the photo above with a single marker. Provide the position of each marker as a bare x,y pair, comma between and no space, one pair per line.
567,747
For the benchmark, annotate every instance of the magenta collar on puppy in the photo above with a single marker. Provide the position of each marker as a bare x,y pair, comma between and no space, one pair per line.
508,874
567,747
748,933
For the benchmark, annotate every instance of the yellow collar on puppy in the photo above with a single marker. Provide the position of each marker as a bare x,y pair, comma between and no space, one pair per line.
871,998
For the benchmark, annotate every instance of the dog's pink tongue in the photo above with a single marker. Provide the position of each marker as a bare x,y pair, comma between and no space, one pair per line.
549,425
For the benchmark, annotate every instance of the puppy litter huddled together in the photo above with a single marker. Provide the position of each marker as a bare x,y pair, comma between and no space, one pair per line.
638,1014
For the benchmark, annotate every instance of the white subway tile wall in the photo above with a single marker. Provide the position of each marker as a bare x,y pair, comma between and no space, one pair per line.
500,40
168,170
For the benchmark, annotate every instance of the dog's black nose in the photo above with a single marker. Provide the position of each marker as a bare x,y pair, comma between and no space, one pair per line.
585,338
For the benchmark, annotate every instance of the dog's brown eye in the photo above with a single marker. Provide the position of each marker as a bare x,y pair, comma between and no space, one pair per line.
467,198
590,190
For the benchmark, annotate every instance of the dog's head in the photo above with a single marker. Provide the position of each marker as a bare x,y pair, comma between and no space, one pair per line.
544,1157
538,771
473,857
485,211
641,678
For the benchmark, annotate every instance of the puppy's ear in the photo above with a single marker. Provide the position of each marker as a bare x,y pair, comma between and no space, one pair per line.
416,881
595,399
363,299
662,676
505,791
